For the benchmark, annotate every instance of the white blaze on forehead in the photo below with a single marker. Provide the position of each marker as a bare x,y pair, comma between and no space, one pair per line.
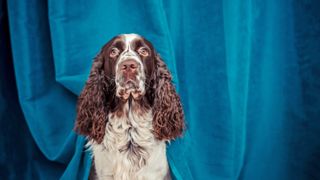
128,38
128,51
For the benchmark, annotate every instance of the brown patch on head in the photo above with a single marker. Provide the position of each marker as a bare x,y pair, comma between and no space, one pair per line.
111,59
148,61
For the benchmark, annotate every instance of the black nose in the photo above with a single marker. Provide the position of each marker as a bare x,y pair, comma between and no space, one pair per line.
128,65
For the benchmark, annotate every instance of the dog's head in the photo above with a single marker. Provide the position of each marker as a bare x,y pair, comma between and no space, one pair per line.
128,68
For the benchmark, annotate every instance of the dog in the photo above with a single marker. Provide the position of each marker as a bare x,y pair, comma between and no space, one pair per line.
128,110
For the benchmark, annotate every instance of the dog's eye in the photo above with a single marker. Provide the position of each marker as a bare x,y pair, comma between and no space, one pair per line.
143,51
114,52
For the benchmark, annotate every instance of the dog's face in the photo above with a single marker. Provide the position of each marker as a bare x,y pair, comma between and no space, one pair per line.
129,62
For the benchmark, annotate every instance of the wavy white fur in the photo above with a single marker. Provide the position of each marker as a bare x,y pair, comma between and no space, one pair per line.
129,150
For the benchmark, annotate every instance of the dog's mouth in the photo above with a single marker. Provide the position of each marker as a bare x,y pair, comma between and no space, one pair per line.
130,89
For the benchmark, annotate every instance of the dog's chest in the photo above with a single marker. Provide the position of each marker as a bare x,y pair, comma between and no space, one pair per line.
129,132
129,149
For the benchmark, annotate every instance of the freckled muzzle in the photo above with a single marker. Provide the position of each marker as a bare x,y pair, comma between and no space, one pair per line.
130,77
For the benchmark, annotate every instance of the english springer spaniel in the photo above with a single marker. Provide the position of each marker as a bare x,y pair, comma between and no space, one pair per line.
128,110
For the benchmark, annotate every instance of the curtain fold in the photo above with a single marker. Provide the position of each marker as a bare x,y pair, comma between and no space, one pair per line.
248,73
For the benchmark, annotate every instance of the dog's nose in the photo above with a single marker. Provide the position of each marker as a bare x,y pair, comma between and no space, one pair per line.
129,65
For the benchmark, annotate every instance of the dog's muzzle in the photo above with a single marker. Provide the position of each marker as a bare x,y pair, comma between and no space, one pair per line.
130,77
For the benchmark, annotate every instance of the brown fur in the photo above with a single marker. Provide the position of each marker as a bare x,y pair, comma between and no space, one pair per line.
92,108
168,120
94,101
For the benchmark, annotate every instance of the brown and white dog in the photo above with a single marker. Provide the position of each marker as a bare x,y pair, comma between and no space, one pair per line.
128,109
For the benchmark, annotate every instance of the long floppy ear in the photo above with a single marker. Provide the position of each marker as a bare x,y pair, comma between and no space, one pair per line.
92,107
168,118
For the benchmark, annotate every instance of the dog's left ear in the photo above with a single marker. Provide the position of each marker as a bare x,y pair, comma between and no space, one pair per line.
168,117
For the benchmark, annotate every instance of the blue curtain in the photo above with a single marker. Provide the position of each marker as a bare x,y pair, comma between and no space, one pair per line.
248,72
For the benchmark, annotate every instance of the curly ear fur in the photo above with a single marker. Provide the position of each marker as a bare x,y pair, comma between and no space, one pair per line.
168,118
92,107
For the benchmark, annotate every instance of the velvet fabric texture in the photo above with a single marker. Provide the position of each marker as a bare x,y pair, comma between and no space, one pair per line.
248,72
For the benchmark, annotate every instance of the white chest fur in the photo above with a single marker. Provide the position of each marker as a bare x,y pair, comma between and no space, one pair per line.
129,149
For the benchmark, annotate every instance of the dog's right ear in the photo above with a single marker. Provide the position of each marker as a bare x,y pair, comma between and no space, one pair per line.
93,105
